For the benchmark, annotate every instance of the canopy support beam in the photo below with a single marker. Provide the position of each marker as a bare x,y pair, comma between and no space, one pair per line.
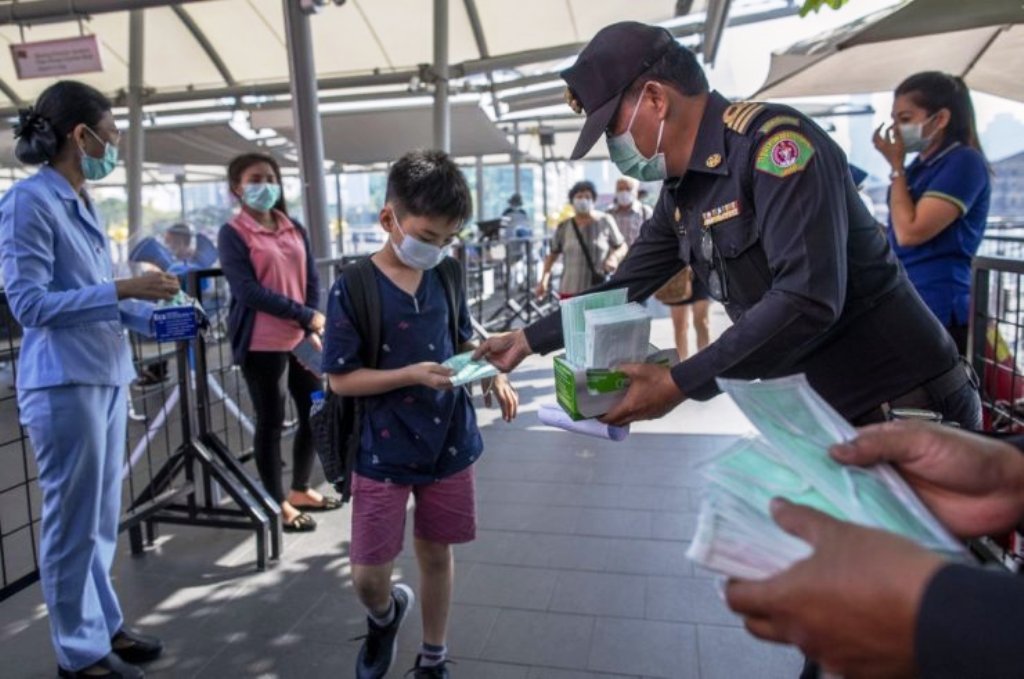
442,109
136,133
307,126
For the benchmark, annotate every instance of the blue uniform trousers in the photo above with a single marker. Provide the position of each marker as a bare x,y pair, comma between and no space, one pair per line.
78,434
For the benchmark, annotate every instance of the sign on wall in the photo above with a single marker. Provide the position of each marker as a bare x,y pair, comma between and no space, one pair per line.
54,58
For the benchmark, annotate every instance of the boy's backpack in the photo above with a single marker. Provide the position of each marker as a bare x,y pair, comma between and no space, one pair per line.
337,423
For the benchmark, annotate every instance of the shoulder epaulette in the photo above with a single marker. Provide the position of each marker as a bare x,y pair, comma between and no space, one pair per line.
737,117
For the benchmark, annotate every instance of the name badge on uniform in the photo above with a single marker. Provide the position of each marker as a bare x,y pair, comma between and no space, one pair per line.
720,213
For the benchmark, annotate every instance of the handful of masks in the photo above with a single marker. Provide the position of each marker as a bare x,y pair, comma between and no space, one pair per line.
736,534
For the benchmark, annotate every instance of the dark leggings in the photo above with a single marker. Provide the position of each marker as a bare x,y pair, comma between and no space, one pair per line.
263,371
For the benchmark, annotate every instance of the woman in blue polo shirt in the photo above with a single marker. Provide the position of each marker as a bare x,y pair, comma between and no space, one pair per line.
938,204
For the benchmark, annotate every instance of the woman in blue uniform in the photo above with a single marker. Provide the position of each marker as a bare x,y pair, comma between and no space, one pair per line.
74,369
938,204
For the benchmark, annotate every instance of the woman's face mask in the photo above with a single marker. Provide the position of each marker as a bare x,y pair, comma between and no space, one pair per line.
413,252
261,196
583,206
914,140
97,168
623,151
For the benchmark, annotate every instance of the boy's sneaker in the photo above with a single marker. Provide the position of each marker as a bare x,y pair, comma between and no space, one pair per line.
377,654
438,671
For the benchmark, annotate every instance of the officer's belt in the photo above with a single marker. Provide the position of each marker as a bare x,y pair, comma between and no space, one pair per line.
927,395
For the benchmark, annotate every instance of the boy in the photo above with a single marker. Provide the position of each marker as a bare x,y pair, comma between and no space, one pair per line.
419,436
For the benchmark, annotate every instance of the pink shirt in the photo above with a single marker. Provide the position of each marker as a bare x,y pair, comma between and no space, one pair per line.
279,258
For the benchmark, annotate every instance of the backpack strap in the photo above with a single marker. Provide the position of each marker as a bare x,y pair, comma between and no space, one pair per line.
361,282
450,271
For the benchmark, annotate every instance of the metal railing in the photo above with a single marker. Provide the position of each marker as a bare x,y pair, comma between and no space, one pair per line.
997,339
190,428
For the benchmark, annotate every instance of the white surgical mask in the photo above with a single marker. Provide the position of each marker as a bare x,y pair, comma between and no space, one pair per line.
624,198
413,252
914,140
582,206
631,162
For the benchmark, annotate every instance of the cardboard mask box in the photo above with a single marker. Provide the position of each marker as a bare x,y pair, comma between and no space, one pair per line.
584,393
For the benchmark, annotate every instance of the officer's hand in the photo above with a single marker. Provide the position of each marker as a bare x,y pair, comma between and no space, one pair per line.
852,605
504,351
973,484
889,142
154,286
651,394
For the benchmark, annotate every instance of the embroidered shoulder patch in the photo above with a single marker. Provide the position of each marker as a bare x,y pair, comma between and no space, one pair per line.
784,153
777,121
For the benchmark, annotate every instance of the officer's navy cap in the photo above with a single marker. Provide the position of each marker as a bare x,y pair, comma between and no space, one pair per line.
611,61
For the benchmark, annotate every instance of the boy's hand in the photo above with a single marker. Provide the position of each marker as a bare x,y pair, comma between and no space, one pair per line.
430,374
506,394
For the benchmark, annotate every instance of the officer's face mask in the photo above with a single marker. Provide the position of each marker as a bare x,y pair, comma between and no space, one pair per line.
914,140
260,196
413,252
582,206
623,151
95,169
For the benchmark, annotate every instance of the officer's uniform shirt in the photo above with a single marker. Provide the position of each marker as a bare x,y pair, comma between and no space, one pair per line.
810,281
940,268
60,286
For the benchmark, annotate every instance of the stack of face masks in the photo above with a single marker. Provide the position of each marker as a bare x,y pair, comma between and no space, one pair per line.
736,534
574,325
614,335
467,370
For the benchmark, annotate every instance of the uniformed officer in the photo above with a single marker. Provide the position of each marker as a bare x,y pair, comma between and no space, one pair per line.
74,368
760,202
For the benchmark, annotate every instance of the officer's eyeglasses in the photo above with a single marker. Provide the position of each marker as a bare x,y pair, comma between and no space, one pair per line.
716,280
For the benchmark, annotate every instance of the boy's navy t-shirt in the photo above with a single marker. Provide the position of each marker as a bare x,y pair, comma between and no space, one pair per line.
414,435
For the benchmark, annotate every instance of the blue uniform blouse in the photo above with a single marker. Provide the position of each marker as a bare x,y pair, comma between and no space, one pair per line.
940,268
59,281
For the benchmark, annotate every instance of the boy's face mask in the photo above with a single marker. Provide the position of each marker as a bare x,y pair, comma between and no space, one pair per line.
413,252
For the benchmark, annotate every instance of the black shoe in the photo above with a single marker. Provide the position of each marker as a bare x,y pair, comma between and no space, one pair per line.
377,654
136,648
438,671
109,667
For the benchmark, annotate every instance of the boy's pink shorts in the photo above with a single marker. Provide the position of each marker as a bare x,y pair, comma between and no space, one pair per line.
445,512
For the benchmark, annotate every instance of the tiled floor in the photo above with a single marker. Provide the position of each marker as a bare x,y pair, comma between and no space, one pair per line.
579,571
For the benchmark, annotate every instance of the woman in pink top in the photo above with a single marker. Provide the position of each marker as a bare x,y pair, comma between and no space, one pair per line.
275,295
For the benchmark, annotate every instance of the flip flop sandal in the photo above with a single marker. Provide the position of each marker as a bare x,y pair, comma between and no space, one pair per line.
303,523
329,504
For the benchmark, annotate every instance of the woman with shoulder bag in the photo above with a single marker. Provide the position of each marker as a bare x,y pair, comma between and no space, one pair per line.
591,242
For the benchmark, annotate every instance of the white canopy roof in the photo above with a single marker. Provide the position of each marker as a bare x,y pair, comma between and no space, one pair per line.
360,37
